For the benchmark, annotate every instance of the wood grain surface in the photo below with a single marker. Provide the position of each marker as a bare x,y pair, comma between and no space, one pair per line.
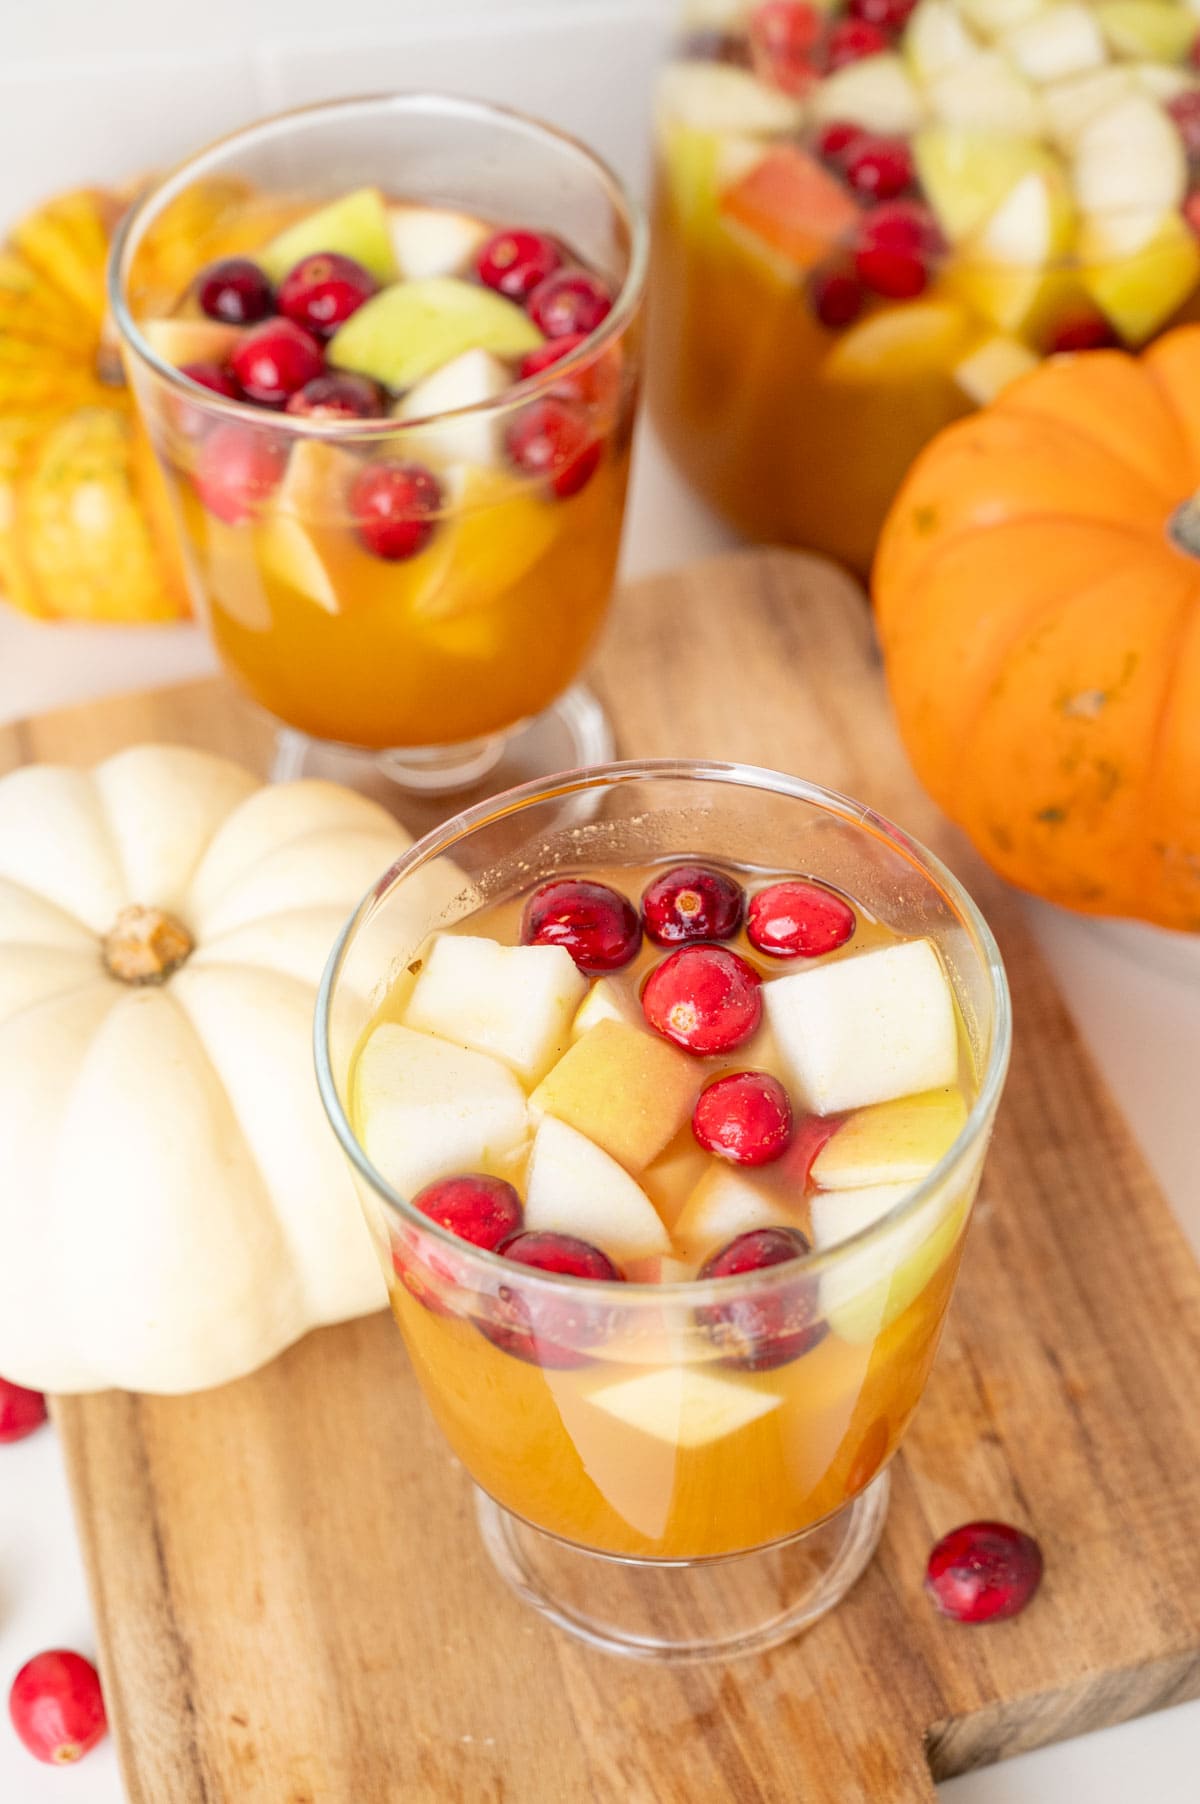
292,1601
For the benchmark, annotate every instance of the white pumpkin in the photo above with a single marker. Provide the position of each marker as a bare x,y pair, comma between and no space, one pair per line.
174,1209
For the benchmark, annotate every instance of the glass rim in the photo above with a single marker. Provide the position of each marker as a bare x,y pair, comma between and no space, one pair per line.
441,839
196,164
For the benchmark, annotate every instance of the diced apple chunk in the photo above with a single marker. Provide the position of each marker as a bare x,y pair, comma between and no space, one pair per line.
866,1029
877,93
838,1215
574,1187
1031,226
966,173
625,1089
864,1291
986,91
789,202
468,381
718,97
514,1002
1071,105
900,344
180,341
683,1405
1064,40
891,1142
723,1205
605,1001
1148,28
991,366
1138,287
431,241
938,39
1129,158
427,1109
992,17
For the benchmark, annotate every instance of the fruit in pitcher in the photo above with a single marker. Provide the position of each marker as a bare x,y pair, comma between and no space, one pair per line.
897,245
621,1087
355,226
704,998
966,172
878,168
877,94
793,204
411,328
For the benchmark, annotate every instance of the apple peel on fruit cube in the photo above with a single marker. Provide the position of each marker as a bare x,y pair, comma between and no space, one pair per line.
863,1292
792,204
866,1029
427,1109
966,172
627,1090
515,1003
574,1187
354,226
896,1142
684,1405
723,1205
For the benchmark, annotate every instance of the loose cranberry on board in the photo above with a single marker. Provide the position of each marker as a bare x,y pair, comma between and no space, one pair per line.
984,1572
21,1411
57,1707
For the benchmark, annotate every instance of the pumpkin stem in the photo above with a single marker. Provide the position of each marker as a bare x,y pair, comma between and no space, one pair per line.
1183,527
144,945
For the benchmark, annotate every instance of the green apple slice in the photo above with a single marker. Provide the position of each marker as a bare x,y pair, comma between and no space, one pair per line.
992,366
877,93
966,172
717,97
1148,29
1129,158
1063,41
407,331
354,226
937,40
1138,290
987,92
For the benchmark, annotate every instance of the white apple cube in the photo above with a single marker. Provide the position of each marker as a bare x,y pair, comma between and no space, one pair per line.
514,1002
1071,105
866,1029
991,366
937,40
432,241
723,1205
605,1001
865,1290
470,380
986,91
1063,41
838,1215
891,1142
719,98
877,93
1031,227
574,1187
426,1110
685,1406
1129,158
992,17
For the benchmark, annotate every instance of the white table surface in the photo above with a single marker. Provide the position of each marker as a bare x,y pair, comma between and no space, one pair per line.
1137,1002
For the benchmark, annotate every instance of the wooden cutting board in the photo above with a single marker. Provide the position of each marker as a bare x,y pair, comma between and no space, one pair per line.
292,1602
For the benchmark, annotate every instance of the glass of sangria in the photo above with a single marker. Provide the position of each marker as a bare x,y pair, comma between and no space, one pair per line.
873,215
387,351
667,1089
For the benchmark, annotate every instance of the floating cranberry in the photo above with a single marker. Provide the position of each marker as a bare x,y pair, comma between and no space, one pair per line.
879,168
692,902
1082,332
898,243
322,291
597,925
785,40
890,15
853,39
836,296
514,263
477,1208
554,439
594,383
238,470
235,291
214,376
745,1118
21,1411
394,506
57,1707
983,1572
834,140
276,359
1185,111
796,919
704,998
569,302
758,1332
551,1329
339,396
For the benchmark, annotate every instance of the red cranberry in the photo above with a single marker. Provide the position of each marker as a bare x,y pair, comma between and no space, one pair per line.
746,1118
852,39
324,290
692,902
238,470
57,1707
394,507
339,396
553,438
597,925
1083,332
477,1208
276,359
983,1572
758,1332
569,302
898,242
784,42
21,1411
235,291
836,296
551,1330
880,168
214,376
1185,111
809,1135
594,383
795,919
834,140
515,262
704,998
1191,210
891,15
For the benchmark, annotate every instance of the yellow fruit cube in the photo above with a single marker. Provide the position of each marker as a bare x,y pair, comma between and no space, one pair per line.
623,1089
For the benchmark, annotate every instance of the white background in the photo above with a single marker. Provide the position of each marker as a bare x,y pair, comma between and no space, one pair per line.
93,92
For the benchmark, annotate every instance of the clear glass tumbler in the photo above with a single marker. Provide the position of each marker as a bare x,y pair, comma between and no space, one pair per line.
455,664
678,1546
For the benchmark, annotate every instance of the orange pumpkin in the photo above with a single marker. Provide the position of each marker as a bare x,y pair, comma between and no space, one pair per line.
1037,589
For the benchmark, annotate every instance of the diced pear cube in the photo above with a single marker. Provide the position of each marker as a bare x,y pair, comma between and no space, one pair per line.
1138,271
864,1291
574,1187
605,1001
685,1406
1129,158
720,98
1071,105
625,1089
993,17
986,91
467,381
670,1180
431,241
514,1002
891,1142
426,1109
866,1029
723,1205
1064,40
1147,28
937,39
877,93
838,1215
